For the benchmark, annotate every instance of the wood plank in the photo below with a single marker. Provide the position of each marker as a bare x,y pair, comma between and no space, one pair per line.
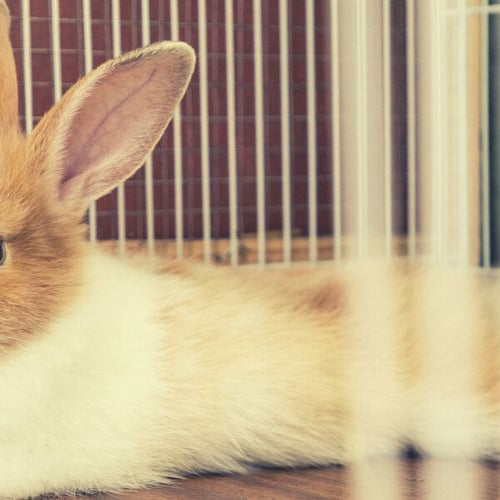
414,479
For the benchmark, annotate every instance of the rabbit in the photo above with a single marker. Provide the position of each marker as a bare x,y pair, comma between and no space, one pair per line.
115,376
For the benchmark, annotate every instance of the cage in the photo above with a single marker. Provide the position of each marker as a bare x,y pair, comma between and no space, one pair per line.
312,130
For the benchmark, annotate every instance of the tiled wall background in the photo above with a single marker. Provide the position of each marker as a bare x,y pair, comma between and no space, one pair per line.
72,59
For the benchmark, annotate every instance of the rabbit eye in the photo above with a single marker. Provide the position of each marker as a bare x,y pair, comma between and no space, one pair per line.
3,252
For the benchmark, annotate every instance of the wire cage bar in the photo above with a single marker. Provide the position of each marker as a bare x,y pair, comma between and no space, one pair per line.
308,133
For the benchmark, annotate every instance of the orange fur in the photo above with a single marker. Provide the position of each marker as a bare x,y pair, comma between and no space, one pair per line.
8,87
38,238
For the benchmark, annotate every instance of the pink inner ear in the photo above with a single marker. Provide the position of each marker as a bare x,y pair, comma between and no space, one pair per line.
119,121
103,125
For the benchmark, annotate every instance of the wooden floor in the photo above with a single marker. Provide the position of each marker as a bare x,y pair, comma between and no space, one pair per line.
385,481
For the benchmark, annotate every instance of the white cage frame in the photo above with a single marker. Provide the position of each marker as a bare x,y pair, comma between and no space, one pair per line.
446,171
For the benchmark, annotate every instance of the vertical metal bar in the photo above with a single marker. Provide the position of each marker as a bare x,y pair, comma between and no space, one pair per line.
335,111
177,124
411,129
56,49
466,482
387,127
365,477
231,133
362,173
437,133
88,62
205,152
87,36
485,145
259,132
117,39
148,169
311,133
285,132
462,99
117,48
27,70
443,115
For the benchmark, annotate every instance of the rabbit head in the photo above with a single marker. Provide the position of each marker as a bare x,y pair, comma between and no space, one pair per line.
97,135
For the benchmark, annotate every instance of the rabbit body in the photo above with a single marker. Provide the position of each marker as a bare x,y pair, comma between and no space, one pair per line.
132,385
117,377
146,377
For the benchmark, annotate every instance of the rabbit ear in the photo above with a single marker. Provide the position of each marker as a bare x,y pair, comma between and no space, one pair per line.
99,133
8,80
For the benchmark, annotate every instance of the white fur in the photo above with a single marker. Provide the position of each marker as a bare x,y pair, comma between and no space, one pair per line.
113,396
448,413
378,416
147,376
440,408
81,404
